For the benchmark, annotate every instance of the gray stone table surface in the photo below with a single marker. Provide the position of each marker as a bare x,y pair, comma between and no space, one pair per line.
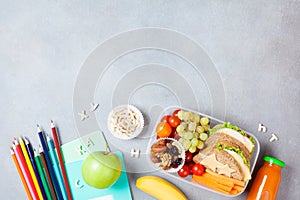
235,60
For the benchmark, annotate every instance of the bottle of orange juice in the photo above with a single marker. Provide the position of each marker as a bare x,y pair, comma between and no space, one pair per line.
267,180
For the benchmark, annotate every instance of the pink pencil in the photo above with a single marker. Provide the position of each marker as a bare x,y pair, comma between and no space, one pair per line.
21,160
13,155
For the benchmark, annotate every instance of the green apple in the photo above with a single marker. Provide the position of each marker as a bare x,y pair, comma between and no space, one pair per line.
101,169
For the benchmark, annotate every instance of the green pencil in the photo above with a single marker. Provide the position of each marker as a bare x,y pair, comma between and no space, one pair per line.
41,173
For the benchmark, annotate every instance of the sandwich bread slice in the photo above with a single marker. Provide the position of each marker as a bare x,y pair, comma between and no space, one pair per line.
227,151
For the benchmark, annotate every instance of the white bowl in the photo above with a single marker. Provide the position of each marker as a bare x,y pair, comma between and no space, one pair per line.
125,122
182,155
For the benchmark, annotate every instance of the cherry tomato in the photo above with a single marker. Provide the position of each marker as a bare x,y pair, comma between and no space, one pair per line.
173,133
163,129
174,121
165,118
184,171
191,164
198,169
175,113
188,156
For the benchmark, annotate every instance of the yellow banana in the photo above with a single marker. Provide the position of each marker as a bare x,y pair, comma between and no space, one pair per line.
159,188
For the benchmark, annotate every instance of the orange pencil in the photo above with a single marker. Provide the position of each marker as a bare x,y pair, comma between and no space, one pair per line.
13,155
21,160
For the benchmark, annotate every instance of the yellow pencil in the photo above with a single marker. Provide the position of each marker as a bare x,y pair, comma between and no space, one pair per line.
36,184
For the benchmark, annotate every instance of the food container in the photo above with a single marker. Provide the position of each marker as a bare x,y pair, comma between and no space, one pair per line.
125,122
213,122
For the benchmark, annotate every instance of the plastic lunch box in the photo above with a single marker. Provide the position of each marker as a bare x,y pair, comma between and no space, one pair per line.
188,180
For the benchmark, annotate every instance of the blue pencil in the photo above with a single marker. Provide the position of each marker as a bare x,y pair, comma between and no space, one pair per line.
31,157
56,167
49,164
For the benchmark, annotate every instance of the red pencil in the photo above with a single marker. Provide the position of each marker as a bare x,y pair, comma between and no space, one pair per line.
61,162
13,155
21,160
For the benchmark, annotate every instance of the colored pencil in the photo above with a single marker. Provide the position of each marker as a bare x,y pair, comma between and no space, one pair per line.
22,162
20,173
42,175
36,172
60,159
56,167
44,163
49,164
29,164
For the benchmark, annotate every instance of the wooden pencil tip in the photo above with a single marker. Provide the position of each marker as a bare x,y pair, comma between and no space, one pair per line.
52,124
37,125
40,149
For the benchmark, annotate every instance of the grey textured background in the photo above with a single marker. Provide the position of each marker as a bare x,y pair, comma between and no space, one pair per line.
255,46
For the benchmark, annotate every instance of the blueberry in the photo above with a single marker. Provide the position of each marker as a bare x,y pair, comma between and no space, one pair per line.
178,161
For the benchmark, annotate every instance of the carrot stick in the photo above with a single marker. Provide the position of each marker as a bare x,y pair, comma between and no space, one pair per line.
225,182
233,191
238,188
235,181
221,186
212,184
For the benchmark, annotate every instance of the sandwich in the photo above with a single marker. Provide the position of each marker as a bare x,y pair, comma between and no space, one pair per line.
227,151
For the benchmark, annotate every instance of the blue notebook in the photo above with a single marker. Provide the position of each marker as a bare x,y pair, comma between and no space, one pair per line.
74,154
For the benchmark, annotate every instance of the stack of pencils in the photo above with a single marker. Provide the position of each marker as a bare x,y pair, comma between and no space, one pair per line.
42,171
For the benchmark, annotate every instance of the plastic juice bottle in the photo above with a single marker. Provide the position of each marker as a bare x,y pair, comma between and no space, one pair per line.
267,180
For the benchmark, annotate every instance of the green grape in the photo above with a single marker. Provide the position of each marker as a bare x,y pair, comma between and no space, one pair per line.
185,116
181,140
194,142
180,129
204,121
196,135
196,118
206,127
189,135
180,114
185,136
192,149
203,136
186,144
181,134
200,144
192,126
184,124
200,129
190,116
